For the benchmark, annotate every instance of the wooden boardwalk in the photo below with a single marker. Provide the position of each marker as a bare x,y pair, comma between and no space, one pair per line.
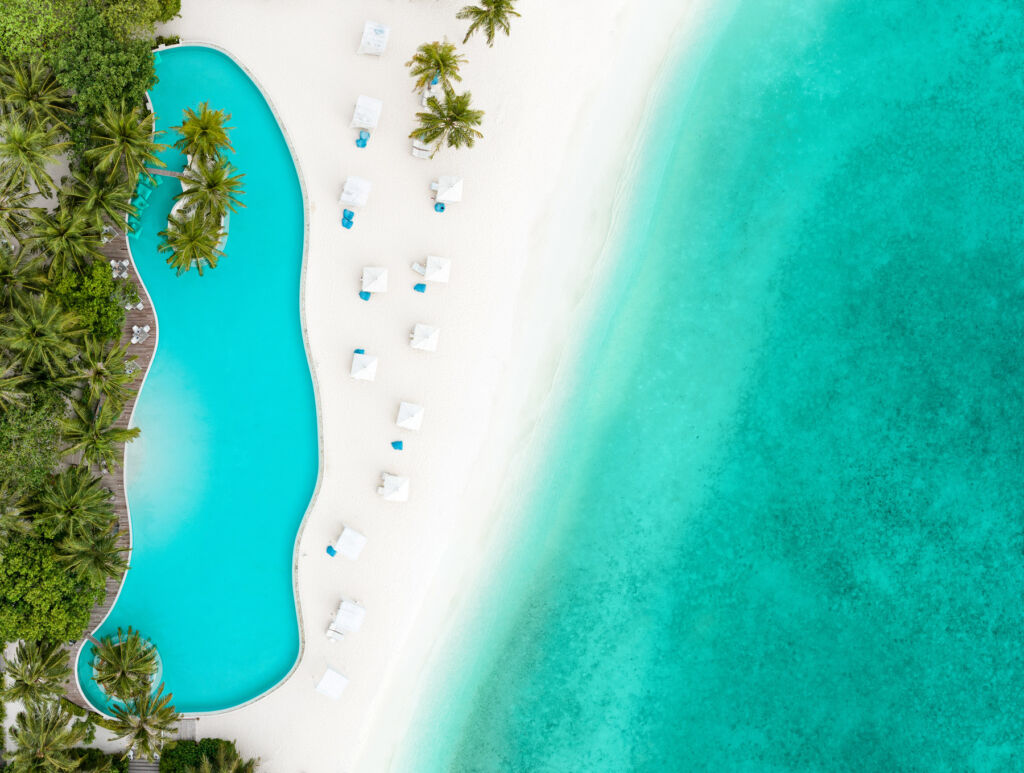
117,249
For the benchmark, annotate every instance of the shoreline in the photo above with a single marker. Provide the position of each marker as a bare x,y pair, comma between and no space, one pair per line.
503,410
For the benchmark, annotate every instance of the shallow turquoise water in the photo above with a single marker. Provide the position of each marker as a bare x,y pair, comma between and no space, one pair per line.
784,527
221,476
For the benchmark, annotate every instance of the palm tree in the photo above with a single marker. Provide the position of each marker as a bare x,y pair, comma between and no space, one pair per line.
451,122
13,522
102,368
27,151
192,241
30,90
489,16
124,143
227,760
41,336
107,199
12,394
38,672
91,430
69,235
124,666
203,133
94,557
212,189
20,276
44,736
73,503
147,721
15,204
435,60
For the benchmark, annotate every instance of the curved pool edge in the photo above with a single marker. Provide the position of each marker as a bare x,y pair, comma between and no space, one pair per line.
314,497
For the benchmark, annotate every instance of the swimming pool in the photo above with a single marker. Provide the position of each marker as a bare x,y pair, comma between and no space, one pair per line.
222,474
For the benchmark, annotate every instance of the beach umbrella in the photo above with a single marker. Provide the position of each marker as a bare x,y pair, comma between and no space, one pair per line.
410,416
375,38
437,269
364,367
424,337
356,191
332,684
393,488
375,279
367,112
448,190
350,543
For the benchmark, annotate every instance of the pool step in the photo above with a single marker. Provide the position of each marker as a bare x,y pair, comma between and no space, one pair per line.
143,766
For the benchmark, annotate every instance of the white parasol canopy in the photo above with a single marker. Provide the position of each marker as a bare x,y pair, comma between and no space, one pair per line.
364,367
349,617
410,416
437,269
375,279
447,189
350,543
393,487
424,337
375,38
332,684
367,112
356,191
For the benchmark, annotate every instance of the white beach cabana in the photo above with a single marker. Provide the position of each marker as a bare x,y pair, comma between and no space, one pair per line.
424,337
367,112
356,192
375,279
364,367
393,488
332,684
410,416
434,269
375,38
447,189
348,619
350,543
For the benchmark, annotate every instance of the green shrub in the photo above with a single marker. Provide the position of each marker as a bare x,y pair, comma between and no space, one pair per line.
98,761
97,298
167,40
168,10
39,598
180,756
30,444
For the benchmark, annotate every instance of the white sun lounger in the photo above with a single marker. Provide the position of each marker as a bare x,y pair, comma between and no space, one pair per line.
375,38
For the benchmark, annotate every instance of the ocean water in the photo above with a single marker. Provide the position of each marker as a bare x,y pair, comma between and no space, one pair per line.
784,524
221,475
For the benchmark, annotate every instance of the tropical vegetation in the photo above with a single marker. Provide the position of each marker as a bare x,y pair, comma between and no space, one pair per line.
211,188
436,62
124,665
452,122
489,17
210,755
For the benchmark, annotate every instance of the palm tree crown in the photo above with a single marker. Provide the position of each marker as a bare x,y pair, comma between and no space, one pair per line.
489,16
15,204
91,430
102,370
226,760
44,734
147,721
124,143
27,150
30,90
124,666
435,60
37,672
69,235
212,189
192,241
40,335
452,122
203,133
107,199
73,502
94,557
20,276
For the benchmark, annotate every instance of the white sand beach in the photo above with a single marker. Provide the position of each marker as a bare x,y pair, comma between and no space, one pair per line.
565,99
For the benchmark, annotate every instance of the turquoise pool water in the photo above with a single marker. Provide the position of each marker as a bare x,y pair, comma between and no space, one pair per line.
223,471
786,528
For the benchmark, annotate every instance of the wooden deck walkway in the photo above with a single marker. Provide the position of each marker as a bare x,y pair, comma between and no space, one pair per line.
117,249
